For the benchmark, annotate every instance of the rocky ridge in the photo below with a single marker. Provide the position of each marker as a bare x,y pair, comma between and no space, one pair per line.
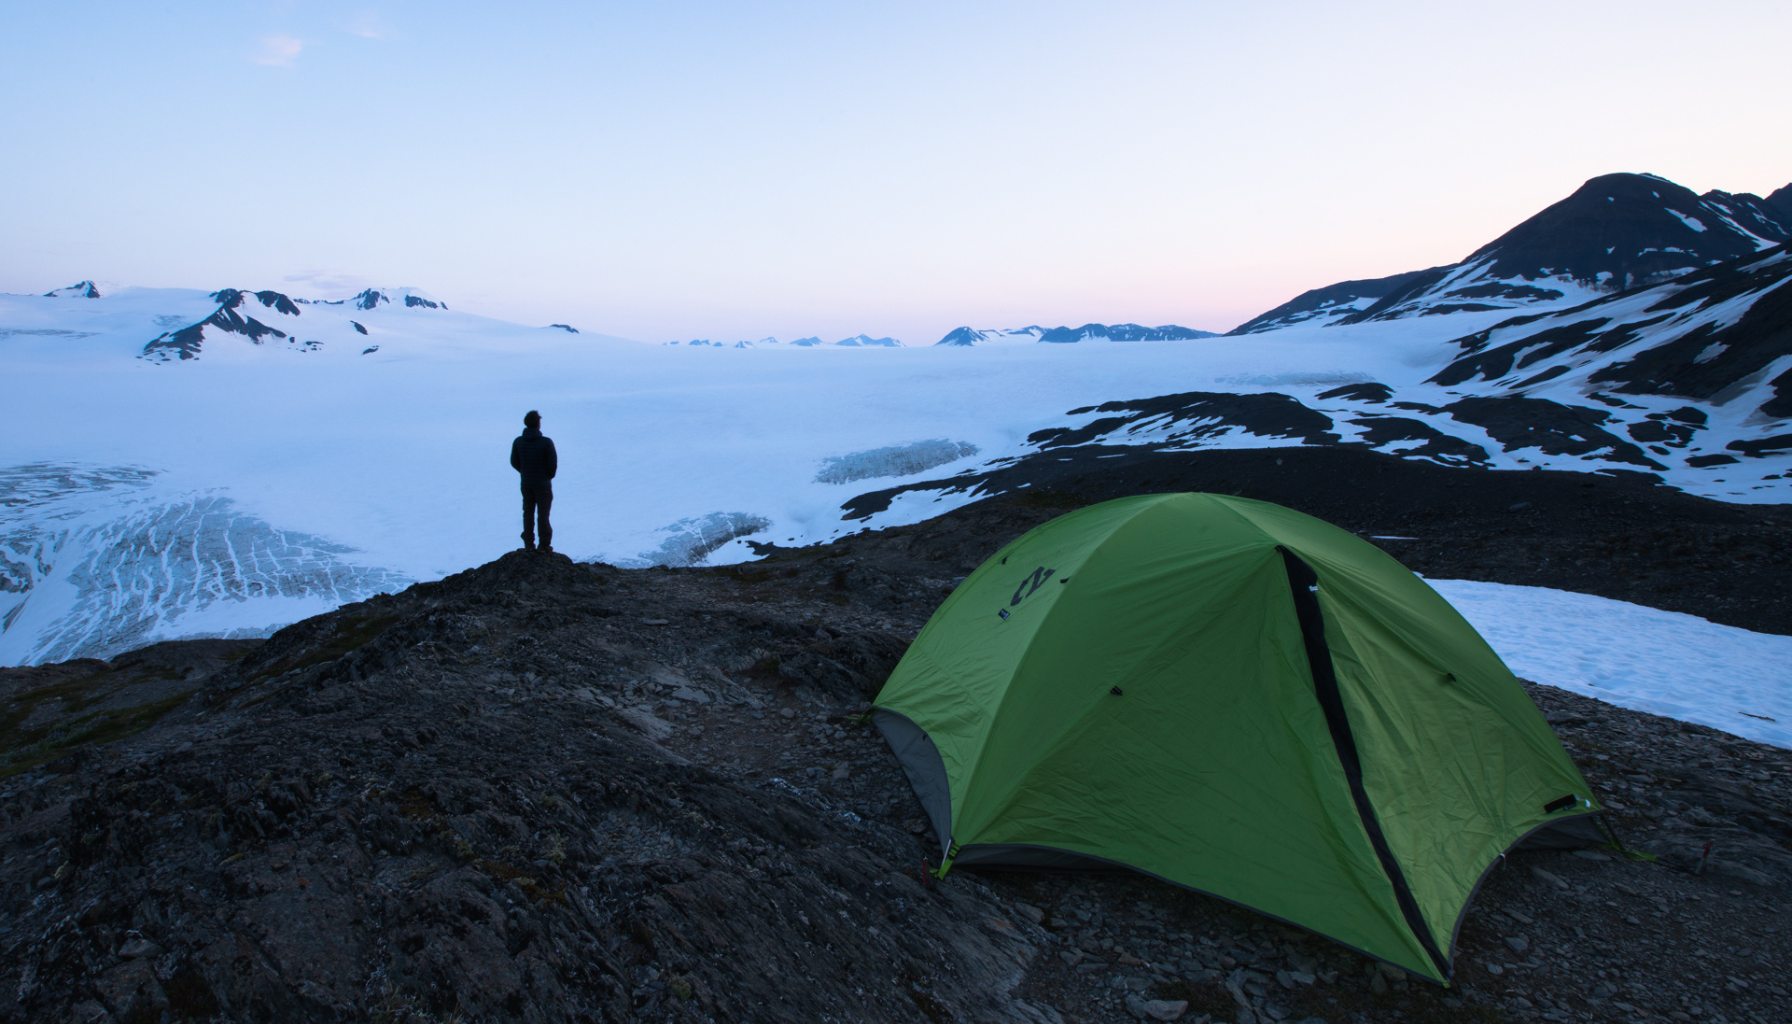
1615,232
545,791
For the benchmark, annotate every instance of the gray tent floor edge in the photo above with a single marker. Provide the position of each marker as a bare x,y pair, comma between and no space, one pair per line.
922,763
925,768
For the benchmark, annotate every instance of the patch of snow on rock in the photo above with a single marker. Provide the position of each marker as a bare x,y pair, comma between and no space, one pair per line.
1665,663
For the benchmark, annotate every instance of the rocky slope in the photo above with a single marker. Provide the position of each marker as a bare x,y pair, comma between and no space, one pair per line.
545,791
1620,535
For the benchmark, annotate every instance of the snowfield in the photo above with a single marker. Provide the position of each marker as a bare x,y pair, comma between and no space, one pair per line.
173,468
1665,663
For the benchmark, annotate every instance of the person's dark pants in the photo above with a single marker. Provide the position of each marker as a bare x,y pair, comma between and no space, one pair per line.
536,502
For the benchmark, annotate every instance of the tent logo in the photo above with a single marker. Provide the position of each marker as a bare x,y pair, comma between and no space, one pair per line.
1024,591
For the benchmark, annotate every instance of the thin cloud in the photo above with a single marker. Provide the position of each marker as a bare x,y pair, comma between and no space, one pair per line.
329,283
279,51
369,25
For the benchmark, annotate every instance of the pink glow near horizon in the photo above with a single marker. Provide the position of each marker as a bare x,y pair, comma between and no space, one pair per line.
733,171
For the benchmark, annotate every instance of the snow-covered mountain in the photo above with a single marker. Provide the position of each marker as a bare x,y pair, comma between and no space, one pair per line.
266,319
967,336
1689,380
78,290
179,463
1720,337
1617,231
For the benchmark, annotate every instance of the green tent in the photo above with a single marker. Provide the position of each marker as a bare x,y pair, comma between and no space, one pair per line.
1237,698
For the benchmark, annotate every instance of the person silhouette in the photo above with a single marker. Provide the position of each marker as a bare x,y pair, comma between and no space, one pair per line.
533,456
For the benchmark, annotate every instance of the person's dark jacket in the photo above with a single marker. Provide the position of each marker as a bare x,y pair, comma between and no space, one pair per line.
533,456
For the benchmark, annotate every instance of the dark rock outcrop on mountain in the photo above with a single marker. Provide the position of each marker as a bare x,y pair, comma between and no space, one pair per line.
1715,358
1666,344
78,290
371,298
1327,302
1780,201
1370,393
1616,232
1446,434
1379,430
1205,414
541,791
273,300
1550,427
187,342
568,328
1628,230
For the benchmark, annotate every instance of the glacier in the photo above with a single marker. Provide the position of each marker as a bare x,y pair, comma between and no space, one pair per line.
893,460
97,562
268,477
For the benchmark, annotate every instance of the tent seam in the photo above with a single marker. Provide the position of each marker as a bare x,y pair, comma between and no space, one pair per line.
1007,688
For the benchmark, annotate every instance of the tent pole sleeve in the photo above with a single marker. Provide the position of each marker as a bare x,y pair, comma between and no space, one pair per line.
1304,583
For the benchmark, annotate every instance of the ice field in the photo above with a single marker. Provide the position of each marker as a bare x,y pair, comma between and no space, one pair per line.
344,451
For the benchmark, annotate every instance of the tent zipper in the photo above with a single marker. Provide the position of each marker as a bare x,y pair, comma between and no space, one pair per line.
1304,583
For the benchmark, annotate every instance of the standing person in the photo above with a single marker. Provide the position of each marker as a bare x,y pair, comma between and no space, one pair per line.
533,456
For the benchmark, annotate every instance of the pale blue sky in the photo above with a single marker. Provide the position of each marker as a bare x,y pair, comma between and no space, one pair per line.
731,170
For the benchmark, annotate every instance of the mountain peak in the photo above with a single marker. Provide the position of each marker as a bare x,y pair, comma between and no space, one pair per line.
1614,233
413,298
1780,201
962,336
187,342
1622,231
78,290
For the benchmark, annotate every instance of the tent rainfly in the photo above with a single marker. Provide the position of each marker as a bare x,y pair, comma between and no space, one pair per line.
1239,699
